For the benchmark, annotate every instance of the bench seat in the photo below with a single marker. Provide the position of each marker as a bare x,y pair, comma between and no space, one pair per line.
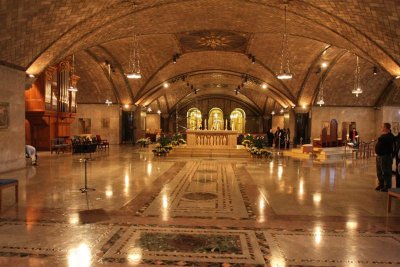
5,183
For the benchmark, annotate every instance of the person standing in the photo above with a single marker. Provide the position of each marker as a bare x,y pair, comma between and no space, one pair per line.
354,137
30,152
384,150
397,160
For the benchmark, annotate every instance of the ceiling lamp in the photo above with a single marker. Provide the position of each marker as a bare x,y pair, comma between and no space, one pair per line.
134,60
284,72
149,109
264,86
357,89
273,112
72,87
321,101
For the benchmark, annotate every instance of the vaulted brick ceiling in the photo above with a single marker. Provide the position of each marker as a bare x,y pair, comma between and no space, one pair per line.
214,38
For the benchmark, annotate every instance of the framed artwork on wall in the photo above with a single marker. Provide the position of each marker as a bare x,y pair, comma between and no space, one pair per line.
4,115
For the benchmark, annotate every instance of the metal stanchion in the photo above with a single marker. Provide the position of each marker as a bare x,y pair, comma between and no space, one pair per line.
86,188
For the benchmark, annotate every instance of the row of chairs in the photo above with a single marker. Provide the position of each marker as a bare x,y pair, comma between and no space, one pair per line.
80,143
364,150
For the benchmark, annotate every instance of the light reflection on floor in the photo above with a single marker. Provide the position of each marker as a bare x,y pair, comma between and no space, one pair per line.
285,211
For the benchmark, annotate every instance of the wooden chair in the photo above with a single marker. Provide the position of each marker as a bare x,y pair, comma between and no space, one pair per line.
103,142
333,135
344,136
324,137
5,183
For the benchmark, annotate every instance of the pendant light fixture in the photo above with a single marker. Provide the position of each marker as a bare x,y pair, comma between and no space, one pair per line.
134,60
357,88
108,102
321,101
71,87
284,72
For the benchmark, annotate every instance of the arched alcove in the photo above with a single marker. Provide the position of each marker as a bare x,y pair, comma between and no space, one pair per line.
238,120
194,119
216,119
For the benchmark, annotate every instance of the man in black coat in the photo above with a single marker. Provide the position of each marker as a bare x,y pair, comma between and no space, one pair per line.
384,149
397,160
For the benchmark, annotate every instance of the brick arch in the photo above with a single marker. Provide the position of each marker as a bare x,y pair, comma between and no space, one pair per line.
176,81
90,28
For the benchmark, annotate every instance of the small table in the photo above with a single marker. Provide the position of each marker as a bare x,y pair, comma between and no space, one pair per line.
392,193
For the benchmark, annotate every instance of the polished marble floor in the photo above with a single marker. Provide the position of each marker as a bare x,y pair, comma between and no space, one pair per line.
197,212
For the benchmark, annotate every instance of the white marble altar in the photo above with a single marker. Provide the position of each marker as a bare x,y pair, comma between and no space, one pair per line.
212,139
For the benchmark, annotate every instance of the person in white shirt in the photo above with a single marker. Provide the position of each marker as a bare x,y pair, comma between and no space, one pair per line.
31,153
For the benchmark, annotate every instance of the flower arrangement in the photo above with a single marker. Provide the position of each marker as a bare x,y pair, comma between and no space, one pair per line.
177,140
248,140
246,143
164,141
258,142
163,146
260,152
182,141
143,142
160,151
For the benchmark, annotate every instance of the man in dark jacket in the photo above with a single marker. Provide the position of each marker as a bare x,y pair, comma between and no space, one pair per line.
384,150
397,138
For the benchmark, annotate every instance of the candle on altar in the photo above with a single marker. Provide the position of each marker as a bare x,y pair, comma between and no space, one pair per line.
205,124
226,124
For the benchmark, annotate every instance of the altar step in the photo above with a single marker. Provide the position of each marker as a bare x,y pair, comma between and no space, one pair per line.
325,153
209,152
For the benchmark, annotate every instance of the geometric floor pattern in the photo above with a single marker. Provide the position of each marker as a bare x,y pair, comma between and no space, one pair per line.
319,248
198,246
201,189
166,211
185,246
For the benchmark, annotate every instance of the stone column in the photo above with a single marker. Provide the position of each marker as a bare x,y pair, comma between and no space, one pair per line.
302,125
139,127
290,122
165,123
12,113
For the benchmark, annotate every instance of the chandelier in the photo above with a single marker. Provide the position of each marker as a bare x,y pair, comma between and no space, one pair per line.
357,88
108,65
284,72
321,101
134,60
72,88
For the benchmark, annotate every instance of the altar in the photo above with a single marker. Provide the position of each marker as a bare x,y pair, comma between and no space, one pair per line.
211,138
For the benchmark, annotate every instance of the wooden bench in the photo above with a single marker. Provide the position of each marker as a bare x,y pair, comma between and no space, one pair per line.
4,183
392,193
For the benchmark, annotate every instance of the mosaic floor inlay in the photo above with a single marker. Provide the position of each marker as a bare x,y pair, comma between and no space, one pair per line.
201,189
184,246
50,239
